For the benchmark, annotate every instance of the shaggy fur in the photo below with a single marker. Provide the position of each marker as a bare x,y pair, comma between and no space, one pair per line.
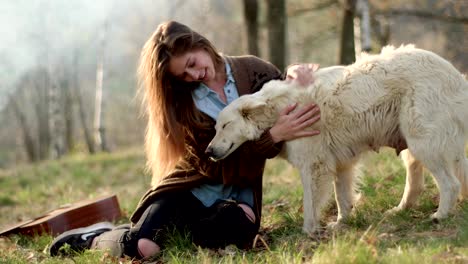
403,95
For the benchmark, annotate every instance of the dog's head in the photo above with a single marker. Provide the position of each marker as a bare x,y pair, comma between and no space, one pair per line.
239,122
246,118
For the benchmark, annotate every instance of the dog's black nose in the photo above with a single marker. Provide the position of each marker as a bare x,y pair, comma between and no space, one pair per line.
209,151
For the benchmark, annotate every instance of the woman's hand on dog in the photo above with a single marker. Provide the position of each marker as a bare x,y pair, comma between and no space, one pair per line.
301,73
293,124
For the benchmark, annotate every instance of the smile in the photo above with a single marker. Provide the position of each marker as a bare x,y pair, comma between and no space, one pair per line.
203,75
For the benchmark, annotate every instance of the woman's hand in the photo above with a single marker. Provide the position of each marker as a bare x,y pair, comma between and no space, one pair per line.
291,125
302,73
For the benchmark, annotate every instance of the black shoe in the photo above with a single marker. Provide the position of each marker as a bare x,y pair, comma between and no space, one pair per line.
78,239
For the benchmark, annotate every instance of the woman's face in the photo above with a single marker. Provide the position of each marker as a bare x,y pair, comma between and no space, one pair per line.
193,66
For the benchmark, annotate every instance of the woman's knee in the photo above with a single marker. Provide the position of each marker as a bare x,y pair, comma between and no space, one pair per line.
249,213
147,247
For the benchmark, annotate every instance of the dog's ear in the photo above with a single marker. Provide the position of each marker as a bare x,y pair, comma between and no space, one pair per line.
253,107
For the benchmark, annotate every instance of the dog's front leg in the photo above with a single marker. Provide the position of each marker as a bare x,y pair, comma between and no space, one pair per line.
345,194
316,182
311,219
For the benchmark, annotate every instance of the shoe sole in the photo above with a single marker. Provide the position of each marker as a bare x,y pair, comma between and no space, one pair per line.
77,231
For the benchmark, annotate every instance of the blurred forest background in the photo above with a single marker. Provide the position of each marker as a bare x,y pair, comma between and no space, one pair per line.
68,68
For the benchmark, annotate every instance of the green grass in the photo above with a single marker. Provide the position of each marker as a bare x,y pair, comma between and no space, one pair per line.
369,236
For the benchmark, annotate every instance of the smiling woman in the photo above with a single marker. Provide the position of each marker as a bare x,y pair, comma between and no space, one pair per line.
198,66
193,66
186,83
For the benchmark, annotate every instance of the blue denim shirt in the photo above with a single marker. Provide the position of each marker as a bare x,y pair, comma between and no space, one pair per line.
208,101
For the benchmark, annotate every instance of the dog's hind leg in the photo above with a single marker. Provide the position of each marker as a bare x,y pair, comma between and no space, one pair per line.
448,184
345,193
460,162
461,171
414,181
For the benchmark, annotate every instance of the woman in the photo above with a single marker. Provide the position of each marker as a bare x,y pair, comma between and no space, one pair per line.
186,83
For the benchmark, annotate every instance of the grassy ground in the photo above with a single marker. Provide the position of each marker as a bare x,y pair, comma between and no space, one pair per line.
407,237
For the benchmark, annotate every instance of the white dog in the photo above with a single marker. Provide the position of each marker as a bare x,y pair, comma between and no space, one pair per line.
403,98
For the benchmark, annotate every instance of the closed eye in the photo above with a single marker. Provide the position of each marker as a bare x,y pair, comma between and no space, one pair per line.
190,63
225,125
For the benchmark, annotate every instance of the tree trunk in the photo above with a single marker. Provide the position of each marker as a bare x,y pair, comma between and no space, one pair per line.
68,114
99,127
81,109
276,21
27,138
251,21
55,123
347,52
83,118
381,29
363,43
42,85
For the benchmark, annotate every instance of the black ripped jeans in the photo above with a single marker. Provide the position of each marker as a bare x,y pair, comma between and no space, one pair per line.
216,226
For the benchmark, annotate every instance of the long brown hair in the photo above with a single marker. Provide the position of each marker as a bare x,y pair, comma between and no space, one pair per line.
169,104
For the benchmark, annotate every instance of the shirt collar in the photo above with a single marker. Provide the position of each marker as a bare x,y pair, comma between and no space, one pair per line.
201,91
229,75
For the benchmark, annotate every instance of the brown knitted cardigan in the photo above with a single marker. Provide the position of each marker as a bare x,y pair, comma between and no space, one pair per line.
244,167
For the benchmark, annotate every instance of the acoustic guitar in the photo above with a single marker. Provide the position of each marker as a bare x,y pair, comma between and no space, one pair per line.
70,216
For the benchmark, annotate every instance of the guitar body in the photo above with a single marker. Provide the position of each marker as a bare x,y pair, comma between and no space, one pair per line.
69,216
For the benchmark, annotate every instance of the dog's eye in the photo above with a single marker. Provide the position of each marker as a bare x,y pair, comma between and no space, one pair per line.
225,125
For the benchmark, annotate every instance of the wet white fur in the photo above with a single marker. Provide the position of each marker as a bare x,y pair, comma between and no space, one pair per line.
363,106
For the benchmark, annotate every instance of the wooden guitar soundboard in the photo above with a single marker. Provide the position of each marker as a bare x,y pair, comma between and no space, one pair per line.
70,216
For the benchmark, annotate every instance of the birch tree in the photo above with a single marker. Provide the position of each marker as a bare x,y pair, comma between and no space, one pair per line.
41,85
362,29
99,108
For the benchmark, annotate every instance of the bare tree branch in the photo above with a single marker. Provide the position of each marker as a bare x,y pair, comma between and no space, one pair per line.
422,14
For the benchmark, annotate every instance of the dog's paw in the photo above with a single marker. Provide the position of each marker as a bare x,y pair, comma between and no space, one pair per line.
393,211
309,230
318,234
335,226
437,216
